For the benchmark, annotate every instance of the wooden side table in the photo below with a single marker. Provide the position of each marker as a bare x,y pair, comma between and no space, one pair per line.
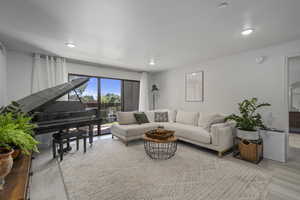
16,183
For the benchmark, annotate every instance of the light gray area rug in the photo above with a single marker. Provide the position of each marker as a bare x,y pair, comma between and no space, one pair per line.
110,170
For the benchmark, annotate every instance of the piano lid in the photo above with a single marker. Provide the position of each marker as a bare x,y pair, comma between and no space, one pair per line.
38,99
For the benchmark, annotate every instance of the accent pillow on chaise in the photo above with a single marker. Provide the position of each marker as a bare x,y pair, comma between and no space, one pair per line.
141,118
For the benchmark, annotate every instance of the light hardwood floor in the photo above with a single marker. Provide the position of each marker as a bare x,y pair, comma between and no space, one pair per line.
47,182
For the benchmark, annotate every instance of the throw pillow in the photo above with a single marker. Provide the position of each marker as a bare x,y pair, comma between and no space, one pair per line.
125,118
141,118
171,114
161,117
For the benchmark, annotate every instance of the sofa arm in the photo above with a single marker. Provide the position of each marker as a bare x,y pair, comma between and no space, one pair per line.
222,135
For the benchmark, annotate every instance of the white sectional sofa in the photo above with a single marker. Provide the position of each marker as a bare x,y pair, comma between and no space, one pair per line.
209,131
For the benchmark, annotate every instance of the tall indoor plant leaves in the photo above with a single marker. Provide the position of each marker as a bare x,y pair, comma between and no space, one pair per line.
249,119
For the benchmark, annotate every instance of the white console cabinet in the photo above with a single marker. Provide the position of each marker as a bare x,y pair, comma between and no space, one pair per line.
275,145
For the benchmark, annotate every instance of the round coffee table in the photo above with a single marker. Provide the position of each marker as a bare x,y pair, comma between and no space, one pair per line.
160,148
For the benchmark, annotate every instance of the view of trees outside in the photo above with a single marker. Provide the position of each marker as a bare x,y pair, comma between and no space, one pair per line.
110,96
110,99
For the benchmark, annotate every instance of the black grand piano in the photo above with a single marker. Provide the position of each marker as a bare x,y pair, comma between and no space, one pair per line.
52,116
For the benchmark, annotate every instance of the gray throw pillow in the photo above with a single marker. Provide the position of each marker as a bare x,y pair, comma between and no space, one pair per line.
161,117
141,118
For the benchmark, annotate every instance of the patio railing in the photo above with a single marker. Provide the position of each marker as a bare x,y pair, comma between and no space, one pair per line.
108,111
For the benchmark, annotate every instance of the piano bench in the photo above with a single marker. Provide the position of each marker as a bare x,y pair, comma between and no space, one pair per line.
62,138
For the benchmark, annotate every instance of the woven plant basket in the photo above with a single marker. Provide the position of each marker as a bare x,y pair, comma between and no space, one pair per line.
250,151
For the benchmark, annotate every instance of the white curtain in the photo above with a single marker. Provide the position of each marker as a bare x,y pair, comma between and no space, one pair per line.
144,93
47,72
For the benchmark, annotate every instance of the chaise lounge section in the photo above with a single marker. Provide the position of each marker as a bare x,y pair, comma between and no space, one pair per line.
206,130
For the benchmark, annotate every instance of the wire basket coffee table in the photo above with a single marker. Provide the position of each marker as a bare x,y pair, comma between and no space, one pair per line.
161,149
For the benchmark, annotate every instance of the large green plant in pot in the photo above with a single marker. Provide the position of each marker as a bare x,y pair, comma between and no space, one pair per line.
16,130
249,121
15,133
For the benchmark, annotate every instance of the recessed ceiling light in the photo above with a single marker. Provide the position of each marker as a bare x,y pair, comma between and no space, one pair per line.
152,63
247,31
70,45
223,4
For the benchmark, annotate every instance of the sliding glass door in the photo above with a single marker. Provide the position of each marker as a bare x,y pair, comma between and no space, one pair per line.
110,90
87,93
109,96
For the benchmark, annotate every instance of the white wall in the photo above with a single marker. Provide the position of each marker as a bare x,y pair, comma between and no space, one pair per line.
101,71
229,80
19,73
3,74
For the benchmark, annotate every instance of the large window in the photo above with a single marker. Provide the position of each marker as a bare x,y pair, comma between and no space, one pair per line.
108,95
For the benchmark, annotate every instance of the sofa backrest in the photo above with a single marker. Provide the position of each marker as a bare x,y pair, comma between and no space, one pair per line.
207,120
190,118
125,118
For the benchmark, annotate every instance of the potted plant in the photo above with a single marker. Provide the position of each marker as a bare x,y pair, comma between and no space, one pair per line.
21,122
6,163
249,121
14,132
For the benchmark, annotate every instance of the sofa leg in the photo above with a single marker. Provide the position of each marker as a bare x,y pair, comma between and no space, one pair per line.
112,136
126,143
220,154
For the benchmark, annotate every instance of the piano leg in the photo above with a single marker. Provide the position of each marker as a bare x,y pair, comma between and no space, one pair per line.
54,149
98,129
91,134
68,148
61,153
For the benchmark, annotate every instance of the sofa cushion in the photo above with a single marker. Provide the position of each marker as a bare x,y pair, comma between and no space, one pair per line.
161,117
132,129
207,120
171,114
189,118
125,118
194,133
141,118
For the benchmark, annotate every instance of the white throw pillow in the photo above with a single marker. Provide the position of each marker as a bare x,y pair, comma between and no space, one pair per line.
189,118
150,115
206,121
125,118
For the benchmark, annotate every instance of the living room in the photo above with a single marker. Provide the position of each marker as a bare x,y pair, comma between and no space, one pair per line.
177,100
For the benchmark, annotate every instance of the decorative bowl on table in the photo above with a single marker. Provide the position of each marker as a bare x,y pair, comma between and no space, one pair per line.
159,134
